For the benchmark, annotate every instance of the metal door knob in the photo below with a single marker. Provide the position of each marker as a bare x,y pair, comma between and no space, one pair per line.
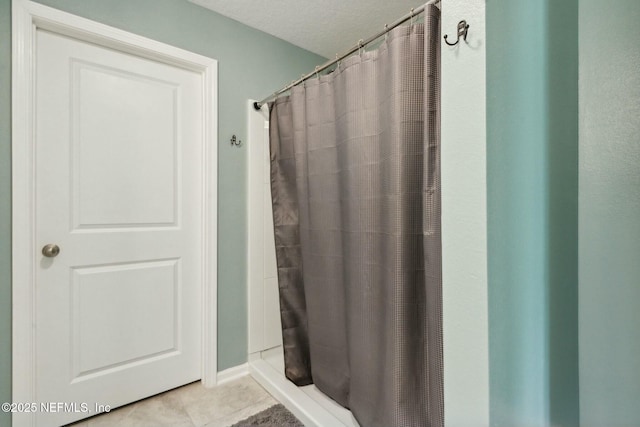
51,250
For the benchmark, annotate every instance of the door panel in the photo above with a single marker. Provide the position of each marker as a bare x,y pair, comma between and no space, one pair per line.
119,190
99,292
112,139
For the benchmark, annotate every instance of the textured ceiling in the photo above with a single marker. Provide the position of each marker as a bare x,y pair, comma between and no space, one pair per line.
325,27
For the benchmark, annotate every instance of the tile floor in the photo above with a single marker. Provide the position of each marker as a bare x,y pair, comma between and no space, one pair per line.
190,406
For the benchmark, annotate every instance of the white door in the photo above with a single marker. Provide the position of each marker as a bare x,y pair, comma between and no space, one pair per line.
119,191
265,331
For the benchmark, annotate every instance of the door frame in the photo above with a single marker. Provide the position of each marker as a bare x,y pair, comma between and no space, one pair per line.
27,18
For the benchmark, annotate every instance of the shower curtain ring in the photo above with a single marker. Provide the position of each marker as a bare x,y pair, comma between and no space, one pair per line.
360,47
317,76
411,20
386,32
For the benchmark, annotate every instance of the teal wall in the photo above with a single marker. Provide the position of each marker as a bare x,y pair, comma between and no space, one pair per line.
532,191
251,65
610,213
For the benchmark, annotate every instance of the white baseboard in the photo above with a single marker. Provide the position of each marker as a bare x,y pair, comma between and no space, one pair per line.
232,374
306,409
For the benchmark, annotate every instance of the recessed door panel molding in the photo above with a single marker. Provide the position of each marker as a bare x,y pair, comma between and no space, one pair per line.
111,138
114,214
146,296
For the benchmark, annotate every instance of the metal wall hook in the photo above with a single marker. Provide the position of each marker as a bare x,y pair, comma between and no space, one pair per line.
463,27
235,141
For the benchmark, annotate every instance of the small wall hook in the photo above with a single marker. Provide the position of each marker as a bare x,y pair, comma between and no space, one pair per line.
235,141
463,27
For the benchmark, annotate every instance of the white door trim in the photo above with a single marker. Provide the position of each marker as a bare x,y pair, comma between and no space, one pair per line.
27,18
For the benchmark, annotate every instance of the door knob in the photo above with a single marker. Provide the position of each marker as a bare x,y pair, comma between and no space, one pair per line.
51,250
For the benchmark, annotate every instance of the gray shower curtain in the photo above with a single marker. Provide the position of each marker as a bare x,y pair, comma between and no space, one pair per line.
355,181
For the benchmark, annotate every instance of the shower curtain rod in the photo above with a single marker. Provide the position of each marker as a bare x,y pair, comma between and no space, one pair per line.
361,44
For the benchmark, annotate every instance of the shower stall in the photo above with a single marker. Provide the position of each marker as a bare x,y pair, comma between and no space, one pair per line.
266,356
464,191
